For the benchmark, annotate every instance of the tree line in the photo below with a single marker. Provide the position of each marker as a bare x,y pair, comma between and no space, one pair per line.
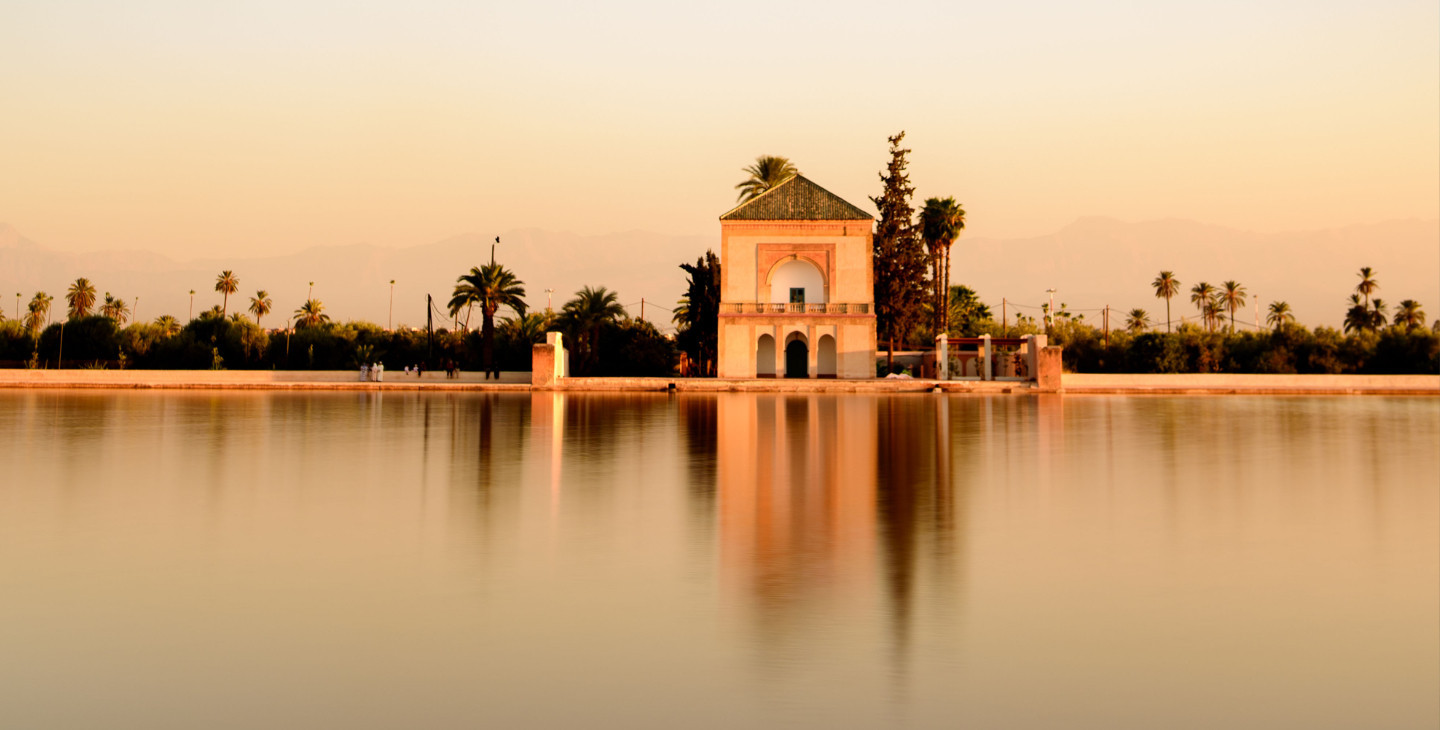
102,335
1371,341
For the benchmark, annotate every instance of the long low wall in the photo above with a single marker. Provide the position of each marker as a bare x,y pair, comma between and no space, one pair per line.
1071,383
1224,383
254,380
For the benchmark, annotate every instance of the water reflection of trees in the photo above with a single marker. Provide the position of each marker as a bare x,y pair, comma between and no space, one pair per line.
699,435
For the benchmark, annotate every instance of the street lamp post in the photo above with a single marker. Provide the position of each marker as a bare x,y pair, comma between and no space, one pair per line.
135,311
1050,313
492,251
548,306
390,322
192,305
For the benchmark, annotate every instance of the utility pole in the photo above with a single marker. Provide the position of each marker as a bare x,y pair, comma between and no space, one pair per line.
1050,313
642,308
1107,325
1004,317
429,330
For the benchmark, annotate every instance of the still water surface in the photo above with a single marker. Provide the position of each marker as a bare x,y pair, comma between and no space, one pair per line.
372,560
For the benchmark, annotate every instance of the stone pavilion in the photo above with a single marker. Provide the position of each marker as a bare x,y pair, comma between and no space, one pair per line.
796,286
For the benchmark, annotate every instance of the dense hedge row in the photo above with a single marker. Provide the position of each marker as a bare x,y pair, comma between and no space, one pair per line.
628,347
1289,349
636,348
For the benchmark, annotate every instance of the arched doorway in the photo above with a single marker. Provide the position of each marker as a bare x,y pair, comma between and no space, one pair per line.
765,357
797,359
825,358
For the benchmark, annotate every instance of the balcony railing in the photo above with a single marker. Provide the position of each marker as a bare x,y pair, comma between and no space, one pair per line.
789,308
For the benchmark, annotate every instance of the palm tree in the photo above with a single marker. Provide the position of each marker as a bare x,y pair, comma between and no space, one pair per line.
1280,315
586,314
1233,298
1377,314
1214,311
80,298
941,222
1166,286
115,309
169,326
1138,320
767,172
38,313
680,315
260,305
1368,285
311,314
491,286
529,328
1201,295
1357,317
227,283
1409,315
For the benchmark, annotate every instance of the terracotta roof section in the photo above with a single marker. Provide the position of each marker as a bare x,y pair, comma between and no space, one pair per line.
796,199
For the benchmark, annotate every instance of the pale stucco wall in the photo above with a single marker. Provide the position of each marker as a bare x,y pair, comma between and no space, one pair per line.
754,252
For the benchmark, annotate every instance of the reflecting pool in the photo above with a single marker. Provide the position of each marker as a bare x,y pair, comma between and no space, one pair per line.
369,560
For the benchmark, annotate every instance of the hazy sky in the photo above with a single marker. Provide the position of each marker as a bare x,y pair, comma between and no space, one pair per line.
195,128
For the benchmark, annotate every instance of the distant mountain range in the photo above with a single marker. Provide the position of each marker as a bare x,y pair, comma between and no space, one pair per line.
1091,262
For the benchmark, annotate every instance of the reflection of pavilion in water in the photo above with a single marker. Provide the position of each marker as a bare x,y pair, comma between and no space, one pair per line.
820,505
796,499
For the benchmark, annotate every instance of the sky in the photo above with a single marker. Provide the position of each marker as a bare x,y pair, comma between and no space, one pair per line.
256,128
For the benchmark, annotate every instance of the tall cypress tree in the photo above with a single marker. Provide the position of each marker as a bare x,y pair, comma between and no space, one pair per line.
900,260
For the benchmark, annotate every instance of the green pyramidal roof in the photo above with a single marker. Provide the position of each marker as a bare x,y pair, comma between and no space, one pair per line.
796,199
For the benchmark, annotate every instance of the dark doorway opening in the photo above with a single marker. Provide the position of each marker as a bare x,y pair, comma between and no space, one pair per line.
797,360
